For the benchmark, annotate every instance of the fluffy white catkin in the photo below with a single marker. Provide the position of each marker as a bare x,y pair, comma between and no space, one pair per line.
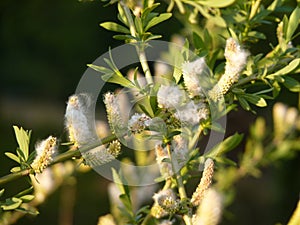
236,59
80,128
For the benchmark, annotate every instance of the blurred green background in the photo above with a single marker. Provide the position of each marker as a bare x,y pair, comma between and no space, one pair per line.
44,48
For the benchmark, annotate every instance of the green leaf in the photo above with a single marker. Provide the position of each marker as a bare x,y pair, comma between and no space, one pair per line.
153,103
21,154
118,181
216,3
11,203
122,16
25,192
27,198
138,25
198,42
173,133
152,37
217,127
287,69
274,5
112,26
146,109
218,20
224,160
31,211
124,37
225,146
126,202
23,138
156,20
1,192
12,156
148,10
293,23
256,100
257,35
112,76
15,169
244,103
291,84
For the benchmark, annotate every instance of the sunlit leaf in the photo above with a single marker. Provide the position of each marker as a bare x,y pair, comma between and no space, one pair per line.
1,192
114,27
11,204
293,23
156,20
15,169
27,198
12,156
31,211
217,3
287,69
23,138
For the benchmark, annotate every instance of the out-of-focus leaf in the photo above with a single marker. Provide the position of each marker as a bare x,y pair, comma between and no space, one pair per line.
27,198
291,84
255,99
198,42
15,169
1,192
218,20
217,3
31,211
118,181
11,203
257,35
25,192
274,5
224,160
225,146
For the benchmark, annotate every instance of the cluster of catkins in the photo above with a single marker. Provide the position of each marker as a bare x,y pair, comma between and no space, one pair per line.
186,105
207,200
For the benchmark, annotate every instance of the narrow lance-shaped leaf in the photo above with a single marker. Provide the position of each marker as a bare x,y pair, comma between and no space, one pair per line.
225,146
12,156
287,69
23,138
156,20
112,76
244,103
216,3
255,99
293,23
291,84
1,192
112,26
11,203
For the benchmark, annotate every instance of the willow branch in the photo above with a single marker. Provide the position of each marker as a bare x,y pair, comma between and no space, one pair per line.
59,158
